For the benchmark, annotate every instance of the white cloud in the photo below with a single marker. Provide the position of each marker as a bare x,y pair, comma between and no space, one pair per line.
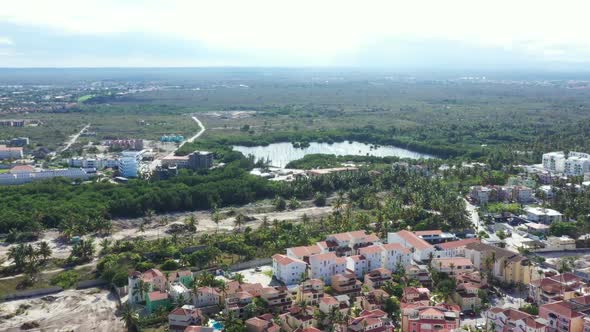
324,28
5,41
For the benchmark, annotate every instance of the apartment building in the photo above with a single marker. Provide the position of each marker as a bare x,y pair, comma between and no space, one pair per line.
277,299
180,318
349,243
304,252
13,153
435,236
567,315
421,250
420,273
504,264
297,318
416,295
236,302
310,292
542,215
370,321
377,278
206,297
514,320
372,300
453,248
288,270
324,266
262,323
357,264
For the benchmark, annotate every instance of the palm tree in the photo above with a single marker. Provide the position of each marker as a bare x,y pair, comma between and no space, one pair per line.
216,218
44,250
238,277
238,221
104,246
130,318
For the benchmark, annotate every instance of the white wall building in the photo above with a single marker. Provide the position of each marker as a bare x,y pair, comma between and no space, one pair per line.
357,264
577,165
560,243
554,161
324,266
287,269
129,163
542,215
177,289
205,297
421,249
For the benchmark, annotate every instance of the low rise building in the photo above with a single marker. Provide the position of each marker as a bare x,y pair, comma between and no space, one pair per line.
262,323
377,278
180,318
542,215
567,315
421,250
506,265
206,297
324,266
297,318
453,248
370,321
511,320
559,243
235,303
346,284
156,300
556,288
10,153
277,299
288,270
452,265
416,295
372,300
310,292
418,318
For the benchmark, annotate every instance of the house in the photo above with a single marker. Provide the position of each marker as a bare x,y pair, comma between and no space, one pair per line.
542,215
522,194
480,195
536,228
329,303
567,315
178,290
370,321
297,318
453,248
262,323
418,318
324,266
452,265
155,300
421,250
514,320
556,288
152,279
310,292
182,276
372,300
420,273
180,318
504,264
288,270
206,297
7,153
346,284
467,296
377,278
277,299
416,295
236,302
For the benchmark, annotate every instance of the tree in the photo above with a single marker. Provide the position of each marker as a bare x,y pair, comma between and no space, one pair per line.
216,218
319,199
238,277
280,204
44,250
82,251
130,318
446,288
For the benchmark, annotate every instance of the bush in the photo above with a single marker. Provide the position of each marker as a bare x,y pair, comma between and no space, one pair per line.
170,265
319,199
120,279
144,266
66,279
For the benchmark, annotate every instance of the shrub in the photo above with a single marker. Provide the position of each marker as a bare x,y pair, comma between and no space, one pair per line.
66,279
170,265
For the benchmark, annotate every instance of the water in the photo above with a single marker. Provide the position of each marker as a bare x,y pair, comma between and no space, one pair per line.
280,154
218,326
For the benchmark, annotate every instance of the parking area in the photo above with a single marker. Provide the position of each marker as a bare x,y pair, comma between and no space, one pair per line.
261,275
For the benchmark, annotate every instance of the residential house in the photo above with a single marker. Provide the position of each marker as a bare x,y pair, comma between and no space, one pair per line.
514,320
178,291
236,302
180,318
542,215
556,288
567,315
421,250
346,284
377,278
155,300
418,318
420,273
374,299
370,321
357,264
416,295
277,299
288,270
206,297
262,323
183,276
452,265
310,292
329,303
297,318
453,248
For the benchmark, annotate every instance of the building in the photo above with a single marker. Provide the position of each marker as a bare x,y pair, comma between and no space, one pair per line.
542,215
324,266
559,243
349,243
567,315
12,123
96,162
206,297
577,165
304,252
180,318
183,276
346,284
129,163
554,161
469,285
200,160
7,153
522,194
453,248
536,228
556,288
178,291
277,299
125,144
416,295
480,195
514,320
310,292
175,161
504,264
18,142
370,321
357,264
421,250
236,302
262,323
26,177
377,278
418,318
435,236
288,270
297,318
420,273
372,300
22,169
452,266
155,300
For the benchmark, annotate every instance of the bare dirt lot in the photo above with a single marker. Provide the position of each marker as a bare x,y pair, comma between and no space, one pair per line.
71,310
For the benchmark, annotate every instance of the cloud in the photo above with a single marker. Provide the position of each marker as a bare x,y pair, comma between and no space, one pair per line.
5,41
308,32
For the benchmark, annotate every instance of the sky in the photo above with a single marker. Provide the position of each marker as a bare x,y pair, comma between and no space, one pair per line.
297,33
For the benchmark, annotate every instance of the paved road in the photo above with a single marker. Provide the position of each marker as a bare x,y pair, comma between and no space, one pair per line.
74,138
474,215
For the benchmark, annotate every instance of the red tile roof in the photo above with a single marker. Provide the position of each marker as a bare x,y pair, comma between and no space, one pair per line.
413,240
456,244
157,296
286,260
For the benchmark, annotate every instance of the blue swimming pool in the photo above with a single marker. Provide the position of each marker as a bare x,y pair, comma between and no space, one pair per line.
218,326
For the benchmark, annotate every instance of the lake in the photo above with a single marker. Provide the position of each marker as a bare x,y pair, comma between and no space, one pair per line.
280,154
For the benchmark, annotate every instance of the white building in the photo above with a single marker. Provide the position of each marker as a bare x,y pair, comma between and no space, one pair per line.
421,249
577,165
453,248
542,215
129,163
287,269
10,153
394,255
554,161
357,264
324,266
205,297
177,289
